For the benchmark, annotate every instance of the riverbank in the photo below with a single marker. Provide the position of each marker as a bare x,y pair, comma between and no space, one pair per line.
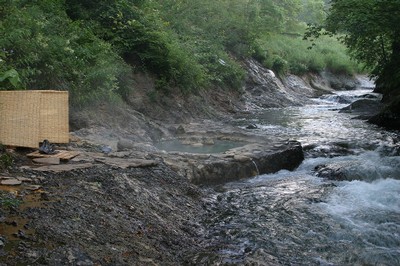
98,214
137,205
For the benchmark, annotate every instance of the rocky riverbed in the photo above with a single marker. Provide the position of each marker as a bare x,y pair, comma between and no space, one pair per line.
125,201
101,214
128,207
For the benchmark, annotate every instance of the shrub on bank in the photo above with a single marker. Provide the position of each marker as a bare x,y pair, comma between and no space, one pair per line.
327,53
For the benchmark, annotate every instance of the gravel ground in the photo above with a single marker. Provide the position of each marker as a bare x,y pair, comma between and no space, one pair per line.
102,215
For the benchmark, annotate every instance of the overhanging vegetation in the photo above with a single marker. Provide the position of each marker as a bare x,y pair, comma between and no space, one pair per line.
91,48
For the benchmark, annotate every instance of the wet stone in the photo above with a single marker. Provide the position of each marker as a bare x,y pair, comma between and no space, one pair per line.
124,144
10,182
48,161
24,179
180,130
13,223
241,158
21,235
252,126
33,187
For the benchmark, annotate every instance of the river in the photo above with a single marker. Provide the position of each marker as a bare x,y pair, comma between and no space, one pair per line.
298,218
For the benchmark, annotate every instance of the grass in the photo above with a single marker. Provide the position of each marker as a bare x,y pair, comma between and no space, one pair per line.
7,202
6,160
297,57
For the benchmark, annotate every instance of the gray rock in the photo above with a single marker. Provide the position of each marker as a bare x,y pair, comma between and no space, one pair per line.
127,163
247,161
106,149
355,170
62,167
252,126
49,160
10,182
124,144
364,107
180,130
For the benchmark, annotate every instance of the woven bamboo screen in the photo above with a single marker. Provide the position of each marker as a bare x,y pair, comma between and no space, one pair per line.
29,117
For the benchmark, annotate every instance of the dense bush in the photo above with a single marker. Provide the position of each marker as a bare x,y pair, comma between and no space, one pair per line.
49,58
135,30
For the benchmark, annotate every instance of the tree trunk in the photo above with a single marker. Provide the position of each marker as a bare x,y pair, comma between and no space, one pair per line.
388,82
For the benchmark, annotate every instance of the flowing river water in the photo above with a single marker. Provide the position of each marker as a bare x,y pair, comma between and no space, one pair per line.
298,218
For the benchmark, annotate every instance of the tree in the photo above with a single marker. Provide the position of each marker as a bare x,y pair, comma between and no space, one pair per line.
36,54
312,11
370,29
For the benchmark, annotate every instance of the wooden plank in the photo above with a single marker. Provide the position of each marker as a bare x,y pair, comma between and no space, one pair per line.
62,154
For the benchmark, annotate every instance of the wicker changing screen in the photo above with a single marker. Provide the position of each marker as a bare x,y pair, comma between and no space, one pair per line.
29,117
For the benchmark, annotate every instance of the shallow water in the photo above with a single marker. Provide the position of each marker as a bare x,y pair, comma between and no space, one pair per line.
217,146
319,124
297,218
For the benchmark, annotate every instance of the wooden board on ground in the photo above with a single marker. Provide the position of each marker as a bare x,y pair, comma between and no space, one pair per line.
62,154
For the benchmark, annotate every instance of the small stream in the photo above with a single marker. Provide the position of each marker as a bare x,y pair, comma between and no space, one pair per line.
297,218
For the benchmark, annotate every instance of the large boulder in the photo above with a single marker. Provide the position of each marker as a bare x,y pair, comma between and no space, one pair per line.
244,162
365,108
338,171
369,168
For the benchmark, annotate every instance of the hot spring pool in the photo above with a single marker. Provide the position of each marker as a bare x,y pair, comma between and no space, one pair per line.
218,146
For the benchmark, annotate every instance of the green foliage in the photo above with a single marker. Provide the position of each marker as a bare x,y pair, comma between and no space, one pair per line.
313,11
183,69
6,160
279,65
187,45
224,23
9,78
46,57
284,53
9,201
370,29
226,29
141,38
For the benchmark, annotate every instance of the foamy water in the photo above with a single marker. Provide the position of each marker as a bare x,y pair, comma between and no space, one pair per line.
298,218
